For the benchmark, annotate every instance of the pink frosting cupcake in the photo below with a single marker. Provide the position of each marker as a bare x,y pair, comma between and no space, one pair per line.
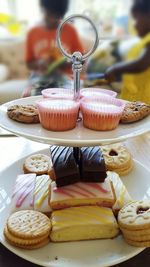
101,114
58,93
96,92
58,115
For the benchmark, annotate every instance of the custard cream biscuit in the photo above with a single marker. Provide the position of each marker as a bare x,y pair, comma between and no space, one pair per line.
38,163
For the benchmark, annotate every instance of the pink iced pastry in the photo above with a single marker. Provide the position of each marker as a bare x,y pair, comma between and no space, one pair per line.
101,114
82,194
58,114
22,197
96,92
58,93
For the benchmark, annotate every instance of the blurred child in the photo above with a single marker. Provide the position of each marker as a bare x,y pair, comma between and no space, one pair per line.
136,70
41,50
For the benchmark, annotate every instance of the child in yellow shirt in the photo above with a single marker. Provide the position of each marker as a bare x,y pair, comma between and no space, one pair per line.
136,70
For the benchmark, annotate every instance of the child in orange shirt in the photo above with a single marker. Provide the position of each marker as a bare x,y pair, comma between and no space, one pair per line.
41,50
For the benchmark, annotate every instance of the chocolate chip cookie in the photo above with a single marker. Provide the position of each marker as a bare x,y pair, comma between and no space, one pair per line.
23,113
134,111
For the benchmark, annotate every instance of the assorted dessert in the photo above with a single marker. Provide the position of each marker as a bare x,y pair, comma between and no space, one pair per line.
72,195
99,110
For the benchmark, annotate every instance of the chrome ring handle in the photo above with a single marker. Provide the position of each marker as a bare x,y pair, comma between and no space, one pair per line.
60,27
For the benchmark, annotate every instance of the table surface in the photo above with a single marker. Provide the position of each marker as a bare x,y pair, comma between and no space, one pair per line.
140,149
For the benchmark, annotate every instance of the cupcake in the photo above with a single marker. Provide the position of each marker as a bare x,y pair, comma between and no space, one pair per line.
101,114
58,93
58,114
96,92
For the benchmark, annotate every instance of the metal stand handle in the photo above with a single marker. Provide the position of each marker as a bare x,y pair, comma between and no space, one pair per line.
77,58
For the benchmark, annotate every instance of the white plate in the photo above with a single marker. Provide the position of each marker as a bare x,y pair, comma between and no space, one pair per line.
95,253
79,136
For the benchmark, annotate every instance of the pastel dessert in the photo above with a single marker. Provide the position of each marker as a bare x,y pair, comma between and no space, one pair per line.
58,93
92,165
83,223
42,194
22,197
65,166
121,193
96,92
82,194
101,114
58,114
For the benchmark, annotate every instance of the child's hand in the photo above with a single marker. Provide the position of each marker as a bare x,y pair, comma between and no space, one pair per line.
110,74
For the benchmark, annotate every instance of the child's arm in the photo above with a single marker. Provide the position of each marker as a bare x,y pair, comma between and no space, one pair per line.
136,66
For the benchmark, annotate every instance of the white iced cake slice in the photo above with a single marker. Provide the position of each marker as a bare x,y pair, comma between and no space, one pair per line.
42,193
82,194
22,197
83,223
121,192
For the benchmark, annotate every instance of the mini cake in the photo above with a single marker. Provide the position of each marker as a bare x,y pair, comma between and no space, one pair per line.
58,93
92,165
101,114
65,166
121,193
82,194
42,194
22,197
83,223
58,114
96,92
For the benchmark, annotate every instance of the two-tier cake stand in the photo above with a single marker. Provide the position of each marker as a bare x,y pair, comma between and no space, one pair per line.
96,253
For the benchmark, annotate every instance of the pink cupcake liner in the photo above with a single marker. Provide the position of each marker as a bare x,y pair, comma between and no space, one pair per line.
101,114
58,93
96,92
58,115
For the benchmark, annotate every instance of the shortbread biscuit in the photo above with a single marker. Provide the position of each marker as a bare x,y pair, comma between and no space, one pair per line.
142,244
135,215
22,241
29,247
39,164
28,224
23,113
117,158
134,111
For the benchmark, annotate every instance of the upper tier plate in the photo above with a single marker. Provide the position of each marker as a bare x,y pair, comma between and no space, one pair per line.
79,136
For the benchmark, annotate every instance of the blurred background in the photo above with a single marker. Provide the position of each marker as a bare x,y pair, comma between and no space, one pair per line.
111,17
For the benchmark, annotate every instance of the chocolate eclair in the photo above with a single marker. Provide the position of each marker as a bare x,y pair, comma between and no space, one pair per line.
65,165
92,165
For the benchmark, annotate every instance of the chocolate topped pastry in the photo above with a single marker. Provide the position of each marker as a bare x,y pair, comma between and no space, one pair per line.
92,165
65,165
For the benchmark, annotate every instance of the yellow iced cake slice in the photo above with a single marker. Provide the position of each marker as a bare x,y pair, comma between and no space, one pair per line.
82,194
83,223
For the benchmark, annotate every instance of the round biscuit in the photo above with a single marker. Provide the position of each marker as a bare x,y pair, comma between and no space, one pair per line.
135,215
23,113
143,244
38,163
22,241
28,224
116,156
